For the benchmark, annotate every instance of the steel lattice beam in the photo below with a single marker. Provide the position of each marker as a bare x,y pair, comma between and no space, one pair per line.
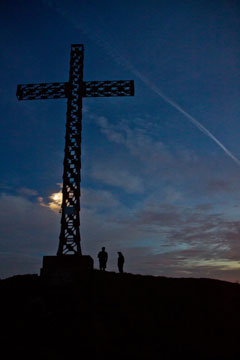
108,88
74,90
63,90
42,91
69,239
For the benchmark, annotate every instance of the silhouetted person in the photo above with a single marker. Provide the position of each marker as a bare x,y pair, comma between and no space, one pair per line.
120,262
103,257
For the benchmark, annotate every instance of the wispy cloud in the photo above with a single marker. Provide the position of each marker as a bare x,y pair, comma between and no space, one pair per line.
98,199
104,40
118,177
158,239
26,228
54,200
28,192
136,138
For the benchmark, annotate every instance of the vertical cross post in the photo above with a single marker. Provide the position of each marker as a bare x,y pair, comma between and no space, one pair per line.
69,239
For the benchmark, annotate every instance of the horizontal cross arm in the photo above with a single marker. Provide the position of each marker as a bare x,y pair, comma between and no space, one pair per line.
108,88
42,91
62,90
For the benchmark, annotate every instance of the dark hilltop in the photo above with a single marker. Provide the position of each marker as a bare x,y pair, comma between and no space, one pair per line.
120,316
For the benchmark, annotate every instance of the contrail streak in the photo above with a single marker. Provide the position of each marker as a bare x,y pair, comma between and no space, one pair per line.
99,38
187,115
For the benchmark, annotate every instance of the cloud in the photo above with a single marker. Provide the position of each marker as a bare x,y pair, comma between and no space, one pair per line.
117,177
156,238
156,163
165,215
55,201
169,240
207,234
98,199
180,263
26,229
29,230
90,198
138,139
220,185
185,224
27,192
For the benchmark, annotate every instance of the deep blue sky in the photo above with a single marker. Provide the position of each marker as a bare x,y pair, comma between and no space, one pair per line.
154,186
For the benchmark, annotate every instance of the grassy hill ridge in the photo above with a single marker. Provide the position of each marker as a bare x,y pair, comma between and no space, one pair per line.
116,316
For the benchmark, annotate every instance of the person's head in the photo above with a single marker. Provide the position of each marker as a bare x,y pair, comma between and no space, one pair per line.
119,253
103,248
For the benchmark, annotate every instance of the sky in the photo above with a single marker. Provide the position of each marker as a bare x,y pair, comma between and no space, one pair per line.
160,170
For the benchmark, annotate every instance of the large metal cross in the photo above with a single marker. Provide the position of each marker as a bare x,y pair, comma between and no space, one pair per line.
74,90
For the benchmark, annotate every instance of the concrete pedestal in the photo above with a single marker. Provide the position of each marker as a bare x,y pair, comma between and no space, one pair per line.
67,268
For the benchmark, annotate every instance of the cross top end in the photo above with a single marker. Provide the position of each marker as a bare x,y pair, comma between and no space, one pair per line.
60,90
79,46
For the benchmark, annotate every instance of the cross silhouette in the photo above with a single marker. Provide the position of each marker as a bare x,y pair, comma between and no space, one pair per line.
74,90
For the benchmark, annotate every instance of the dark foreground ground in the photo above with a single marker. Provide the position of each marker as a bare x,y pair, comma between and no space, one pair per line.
114,316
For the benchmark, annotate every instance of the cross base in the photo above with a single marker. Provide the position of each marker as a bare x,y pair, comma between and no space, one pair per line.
66,268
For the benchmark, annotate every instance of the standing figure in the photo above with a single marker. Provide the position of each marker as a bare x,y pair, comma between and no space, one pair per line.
103,257
120,262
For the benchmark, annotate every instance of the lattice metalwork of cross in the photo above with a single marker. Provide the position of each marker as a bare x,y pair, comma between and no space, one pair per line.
74,90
